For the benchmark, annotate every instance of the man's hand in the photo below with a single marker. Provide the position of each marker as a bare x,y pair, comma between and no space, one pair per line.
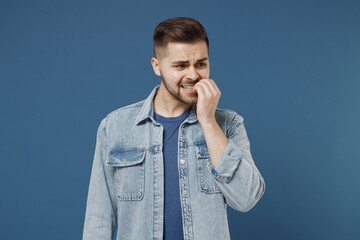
208,98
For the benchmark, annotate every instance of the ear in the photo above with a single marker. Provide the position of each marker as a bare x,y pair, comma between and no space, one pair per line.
156,66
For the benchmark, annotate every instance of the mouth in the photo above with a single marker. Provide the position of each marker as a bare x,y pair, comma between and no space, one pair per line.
188,88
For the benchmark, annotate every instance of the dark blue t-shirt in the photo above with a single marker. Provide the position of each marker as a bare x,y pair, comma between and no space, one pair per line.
173,229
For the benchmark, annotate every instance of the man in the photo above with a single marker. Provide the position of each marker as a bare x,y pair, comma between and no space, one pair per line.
168,166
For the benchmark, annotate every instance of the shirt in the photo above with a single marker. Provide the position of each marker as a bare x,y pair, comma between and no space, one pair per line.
173,229
126,186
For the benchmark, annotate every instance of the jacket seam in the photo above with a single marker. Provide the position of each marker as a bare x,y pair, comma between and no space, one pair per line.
234,123
134,105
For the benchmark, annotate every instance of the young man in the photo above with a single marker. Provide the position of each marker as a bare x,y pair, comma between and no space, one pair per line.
168,166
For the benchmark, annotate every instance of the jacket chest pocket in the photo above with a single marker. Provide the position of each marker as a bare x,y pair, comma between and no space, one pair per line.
206,180
129,173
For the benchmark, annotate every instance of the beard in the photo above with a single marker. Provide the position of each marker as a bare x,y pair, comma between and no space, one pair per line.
190,99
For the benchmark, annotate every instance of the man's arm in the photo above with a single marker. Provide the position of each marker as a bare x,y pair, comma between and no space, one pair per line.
100,216
232,166
216,141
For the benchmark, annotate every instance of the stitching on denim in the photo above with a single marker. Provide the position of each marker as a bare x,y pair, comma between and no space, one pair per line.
230,131
105,135
134,195
236,122
146,148
200,172
139,158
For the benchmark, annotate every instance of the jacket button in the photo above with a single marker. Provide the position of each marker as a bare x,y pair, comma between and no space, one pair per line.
123,160
184,192
187,224
156,229
182,161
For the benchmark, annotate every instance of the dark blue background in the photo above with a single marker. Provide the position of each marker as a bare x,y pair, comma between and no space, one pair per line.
290,68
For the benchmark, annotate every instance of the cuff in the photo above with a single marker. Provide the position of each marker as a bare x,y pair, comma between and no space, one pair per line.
229,161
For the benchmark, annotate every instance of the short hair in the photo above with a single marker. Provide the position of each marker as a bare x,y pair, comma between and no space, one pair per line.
179,29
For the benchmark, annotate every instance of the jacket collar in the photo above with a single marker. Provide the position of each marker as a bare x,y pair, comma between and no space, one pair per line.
147,110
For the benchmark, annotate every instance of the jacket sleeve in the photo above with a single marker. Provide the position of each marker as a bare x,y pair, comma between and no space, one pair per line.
100,216
236,174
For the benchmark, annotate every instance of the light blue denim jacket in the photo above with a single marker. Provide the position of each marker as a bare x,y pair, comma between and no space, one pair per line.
127,182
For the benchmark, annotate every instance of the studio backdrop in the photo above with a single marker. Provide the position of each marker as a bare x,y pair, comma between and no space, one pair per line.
291,69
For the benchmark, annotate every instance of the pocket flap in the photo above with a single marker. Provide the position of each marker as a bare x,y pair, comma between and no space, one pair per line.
126,157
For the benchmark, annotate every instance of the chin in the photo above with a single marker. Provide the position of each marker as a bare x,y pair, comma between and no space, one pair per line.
192,103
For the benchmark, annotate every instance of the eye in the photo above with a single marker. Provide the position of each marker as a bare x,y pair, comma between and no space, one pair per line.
180,66
201,64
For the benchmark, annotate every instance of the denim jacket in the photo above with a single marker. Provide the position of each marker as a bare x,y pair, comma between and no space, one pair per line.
127,183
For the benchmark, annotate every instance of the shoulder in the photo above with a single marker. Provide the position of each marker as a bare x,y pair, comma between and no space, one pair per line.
228,114
131,108
127,113
228,120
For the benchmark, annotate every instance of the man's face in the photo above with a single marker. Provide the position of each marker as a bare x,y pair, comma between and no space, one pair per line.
181,66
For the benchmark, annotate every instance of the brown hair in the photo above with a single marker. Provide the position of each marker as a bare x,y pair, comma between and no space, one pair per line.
179,29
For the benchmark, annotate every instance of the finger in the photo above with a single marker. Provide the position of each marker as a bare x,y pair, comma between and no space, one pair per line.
212,86
215,86
199,89
207,90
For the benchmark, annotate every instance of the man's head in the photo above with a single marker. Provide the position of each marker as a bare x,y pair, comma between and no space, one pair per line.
179,29
181,49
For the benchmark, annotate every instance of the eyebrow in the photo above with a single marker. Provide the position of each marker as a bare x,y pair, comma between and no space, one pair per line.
187,61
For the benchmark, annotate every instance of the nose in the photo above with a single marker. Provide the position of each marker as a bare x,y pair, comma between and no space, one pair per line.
192,74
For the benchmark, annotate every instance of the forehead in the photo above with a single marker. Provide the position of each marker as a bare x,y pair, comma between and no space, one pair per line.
186,51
